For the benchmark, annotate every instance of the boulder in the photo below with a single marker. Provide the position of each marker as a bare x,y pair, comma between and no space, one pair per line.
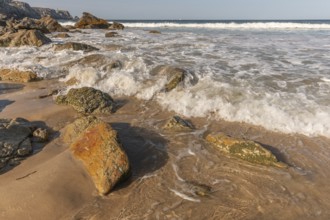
88,21
24,38
30,24
88,100
96,145
62,35
176,123
111,34
17,75
116,26
15,140
154,32
51,24
243,149
74,46
174,75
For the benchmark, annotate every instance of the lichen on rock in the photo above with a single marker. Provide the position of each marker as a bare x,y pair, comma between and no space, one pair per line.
243,149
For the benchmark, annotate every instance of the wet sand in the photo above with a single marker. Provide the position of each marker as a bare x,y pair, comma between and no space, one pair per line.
169,169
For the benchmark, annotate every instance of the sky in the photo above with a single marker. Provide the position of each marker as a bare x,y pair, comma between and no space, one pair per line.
193,9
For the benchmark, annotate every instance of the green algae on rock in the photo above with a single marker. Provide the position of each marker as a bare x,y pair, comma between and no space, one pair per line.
88,100
243,149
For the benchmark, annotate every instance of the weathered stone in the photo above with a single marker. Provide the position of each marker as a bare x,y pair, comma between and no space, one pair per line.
90,21
72,81
62,35
40,135
177,123
96,144
116,26
111,34
25,148
154,32
51,24
24,38
17,75
174,75
88,100
74,46
31,24
243,149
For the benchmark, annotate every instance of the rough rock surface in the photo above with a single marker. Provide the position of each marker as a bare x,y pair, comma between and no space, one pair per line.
176,123
15,141
88,21
24,38
74,46
174,75
88,100
116,26
17,75
19,10
243,149
51,24
30,24
96,144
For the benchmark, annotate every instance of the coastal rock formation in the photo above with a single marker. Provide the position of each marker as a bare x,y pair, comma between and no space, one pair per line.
88,21
176,123
24,38
116,26
51,24
30,24
243,149
88,100
111,34
15,140
17,75
174,75
19,10
96,145
74,46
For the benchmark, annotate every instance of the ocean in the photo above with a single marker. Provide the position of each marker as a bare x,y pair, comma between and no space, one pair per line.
274,74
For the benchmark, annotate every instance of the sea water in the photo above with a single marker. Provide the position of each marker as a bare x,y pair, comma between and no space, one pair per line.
274,74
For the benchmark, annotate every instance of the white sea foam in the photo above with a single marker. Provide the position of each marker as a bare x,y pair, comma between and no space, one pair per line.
184,196
232,25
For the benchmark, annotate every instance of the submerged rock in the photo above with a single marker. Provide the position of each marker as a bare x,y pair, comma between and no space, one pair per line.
88,100
24,38
243,149
111,34
177,123
154,32
62,35
96,144
74,46
90,21
174,75
17,75
15,140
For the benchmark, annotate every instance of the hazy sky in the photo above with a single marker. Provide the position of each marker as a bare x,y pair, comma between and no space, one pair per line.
194,9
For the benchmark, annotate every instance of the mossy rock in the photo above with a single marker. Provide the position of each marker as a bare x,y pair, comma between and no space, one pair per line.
88,100
243,149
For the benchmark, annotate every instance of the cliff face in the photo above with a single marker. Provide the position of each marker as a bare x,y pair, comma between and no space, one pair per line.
19,10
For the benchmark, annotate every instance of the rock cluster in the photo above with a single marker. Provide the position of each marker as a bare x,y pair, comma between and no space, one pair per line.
16,136
243,149
89,21
88,100
96,144
24,38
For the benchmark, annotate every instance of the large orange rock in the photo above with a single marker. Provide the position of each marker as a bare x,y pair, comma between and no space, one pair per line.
17,75
98,148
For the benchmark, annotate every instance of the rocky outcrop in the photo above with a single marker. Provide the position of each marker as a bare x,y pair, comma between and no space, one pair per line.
51,24
174,75
74,46
16,136
88,100
243,149
96,145
176,123
45,24
88,21
19,10
17,75
55,14
116,26
24,38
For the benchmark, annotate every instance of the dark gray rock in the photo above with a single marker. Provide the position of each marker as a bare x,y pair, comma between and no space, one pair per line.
74,46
